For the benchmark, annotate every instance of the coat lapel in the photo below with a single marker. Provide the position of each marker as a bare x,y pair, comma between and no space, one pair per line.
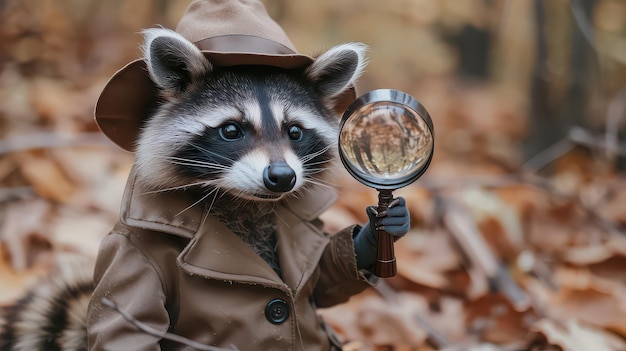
167,212
300,246
301,240
217,253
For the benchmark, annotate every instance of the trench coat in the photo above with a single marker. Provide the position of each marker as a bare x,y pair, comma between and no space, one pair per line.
187,274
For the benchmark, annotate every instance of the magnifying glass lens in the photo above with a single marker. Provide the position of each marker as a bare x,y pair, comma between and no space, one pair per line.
386,140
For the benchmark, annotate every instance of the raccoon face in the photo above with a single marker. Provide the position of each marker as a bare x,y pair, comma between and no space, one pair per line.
257,133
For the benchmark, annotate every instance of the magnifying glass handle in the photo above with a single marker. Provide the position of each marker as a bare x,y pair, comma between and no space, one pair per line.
385,265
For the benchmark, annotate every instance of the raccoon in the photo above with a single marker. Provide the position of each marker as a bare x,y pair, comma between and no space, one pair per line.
244,136
241,139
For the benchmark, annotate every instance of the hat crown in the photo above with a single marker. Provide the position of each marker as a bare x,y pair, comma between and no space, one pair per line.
228,33
207,21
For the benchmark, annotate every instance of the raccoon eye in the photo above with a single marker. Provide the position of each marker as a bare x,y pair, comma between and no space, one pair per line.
295,133
231,131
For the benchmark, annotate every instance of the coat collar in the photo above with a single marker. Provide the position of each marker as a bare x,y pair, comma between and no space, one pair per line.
174,212
214,248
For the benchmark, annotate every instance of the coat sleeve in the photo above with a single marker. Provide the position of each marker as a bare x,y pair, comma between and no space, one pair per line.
339,276
126,276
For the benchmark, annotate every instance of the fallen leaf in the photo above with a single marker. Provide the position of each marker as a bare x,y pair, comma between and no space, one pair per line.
574,336
16,282
546,234
420,204
496,320
499,223
18,222
614,209
393,325
425,257
47,178
449,318
593,307
586,255
79,231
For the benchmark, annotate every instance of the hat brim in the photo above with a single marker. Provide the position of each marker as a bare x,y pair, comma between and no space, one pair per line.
130,97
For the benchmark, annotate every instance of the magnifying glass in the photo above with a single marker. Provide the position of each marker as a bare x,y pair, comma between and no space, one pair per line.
386,141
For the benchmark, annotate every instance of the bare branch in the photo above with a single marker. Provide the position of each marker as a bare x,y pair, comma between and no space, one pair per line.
157,333
583,23
46,140
548,155
16,193
582,136
614,115
609,143
464,229
586,28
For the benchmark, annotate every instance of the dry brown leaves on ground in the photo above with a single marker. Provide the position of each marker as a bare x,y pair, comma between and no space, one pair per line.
494,261
499,257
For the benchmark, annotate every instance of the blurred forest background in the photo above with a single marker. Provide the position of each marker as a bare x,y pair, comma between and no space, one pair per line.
518,238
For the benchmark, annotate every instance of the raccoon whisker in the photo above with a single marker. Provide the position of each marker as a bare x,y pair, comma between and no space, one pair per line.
319,183
316,177
237,194
212,202
311,156
303,190
315,154
279,217
211,152
197,202
190,162
322,162
200,165
204,182
240,195
309,170
208,211
322,179
210,171
314,172
223,194
195,162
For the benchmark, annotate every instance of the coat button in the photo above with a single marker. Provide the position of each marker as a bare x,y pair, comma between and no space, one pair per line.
277,311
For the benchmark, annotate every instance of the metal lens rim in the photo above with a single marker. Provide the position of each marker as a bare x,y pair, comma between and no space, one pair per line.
397,97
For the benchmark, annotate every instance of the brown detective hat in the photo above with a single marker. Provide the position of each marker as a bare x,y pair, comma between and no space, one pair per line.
229,33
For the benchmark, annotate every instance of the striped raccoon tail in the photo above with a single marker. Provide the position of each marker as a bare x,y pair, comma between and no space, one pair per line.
53,315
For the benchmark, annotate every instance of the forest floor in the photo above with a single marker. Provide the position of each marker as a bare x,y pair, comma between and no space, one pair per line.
503,254
500,256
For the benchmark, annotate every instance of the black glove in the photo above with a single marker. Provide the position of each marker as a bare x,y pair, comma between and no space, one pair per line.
395,221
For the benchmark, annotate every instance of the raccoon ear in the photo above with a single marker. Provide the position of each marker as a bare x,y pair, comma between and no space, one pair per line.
336,70
172,60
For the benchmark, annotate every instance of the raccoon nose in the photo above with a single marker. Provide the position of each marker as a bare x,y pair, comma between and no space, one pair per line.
279,177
